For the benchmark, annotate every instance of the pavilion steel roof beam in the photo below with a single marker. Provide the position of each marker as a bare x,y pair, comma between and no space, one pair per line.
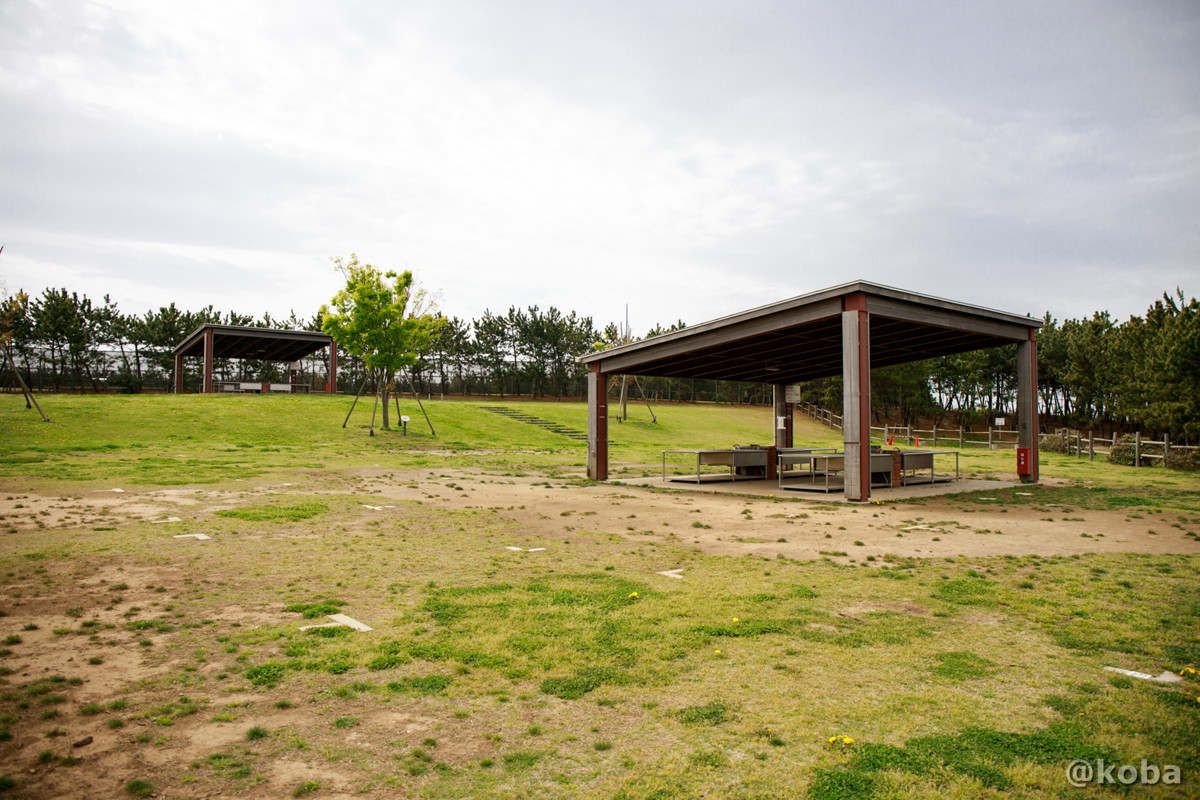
703,336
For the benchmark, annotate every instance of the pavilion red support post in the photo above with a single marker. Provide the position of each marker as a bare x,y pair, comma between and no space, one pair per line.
784,436
179,373
856,397
597,462
208,360
1027,407
331,385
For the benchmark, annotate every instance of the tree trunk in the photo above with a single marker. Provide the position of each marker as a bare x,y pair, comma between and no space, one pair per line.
384,390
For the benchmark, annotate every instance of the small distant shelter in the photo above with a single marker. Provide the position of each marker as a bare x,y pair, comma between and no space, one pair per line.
210,342
845,330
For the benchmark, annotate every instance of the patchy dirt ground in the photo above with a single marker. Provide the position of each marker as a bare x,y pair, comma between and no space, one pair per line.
717,522
728,524
541,510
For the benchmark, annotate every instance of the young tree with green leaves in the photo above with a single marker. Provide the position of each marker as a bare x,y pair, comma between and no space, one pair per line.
383,318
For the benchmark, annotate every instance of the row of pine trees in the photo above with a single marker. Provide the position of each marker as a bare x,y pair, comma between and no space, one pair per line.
1098,372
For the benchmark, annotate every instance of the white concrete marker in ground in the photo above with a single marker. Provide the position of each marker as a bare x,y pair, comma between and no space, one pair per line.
338,621
1166,677
523,550
168,519
375,508
918,528
672,573
350,622
119,491
193,536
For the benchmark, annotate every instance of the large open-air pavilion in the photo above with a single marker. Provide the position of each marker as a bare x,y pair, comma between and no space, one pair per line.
211,342
845,330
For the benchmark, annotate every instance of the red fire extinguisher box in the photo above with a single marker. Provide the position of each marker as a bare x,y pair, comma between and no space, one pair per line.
1023,465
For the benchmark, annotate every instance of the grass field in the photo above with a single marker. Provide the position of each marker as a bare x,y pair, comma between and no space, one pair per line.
574,670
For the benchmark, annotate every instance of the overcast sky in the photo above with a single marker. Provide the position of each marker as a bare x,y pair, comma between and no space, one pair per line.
690,159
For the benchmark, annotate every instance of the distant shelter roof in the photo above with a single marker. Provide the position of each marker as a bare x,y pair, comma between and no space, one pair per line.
263,344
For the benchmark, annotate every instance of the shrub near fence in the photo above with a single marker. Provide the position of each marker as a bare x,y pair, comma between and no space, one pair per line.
1183,458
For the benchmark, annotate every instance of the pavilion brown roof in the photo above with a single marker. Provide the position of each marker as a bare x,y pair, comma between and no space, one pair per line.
264,344
800,338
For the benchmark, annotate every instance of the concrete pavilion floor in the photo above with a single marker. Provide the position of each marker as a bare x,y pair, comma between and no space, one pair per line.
721,484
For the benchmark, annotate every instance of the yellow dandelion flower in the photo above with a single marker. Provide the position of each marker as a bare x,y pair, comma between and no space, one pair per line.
633,594
735,619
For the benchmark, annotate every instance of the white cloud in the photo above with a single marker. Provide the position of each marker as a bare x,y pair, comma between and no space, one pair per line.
691,161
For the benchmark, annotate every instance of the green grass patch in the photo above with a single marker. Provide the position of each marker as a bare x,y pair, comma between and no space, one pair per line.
139,788
235,765
266,675
168,713
317,608
966,591
975,754
709,714
961,665
421,684
296,512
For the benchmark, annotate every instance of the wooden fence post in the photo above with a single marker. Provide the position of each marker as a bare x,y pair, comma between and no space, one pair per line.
1091,446
934,432
990,447
1137,448
1166,448
960,437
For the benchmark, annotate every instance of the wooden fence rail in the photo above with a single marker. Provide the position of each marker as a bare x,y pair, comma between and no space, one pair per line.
1078,445
1002,439
994,439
